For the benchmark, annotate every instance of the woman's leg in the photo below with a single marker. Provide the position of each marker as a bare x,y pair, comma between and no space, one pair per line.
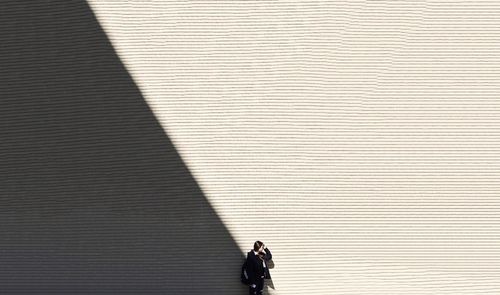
260,286
258,289
252,291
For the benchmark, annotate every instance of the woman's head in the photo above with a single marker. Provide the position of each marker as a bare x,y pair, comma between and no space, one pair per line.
258,246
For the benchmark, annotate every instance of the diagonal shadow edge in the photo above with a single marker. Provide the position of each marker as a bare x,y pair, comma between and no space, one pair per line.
93,195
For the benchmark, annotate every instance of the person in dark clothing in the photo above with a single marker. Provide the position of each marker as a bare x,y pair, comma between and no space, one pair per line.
257,269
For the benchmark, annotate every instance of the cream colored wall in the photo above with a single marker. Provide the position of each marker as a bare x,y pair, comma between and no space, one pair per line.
370,130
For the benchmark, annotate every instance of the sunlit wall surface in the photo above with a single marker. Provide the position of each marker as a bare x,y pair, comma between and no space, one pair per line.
360,140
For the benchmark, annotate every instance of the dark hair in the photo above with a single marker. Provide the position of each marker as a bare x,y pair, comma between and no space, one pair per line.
257,245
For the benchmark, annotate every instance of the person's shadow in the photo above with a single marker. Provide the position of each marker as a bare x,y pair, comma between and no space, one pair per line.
94,198
269,283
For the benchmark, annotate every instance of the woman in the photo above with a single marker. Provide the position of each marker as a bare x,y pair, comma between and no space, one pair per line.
257,269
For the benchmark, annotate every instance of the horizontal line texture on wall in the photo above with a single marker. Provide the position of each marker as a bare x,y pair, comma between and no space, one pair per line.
360,140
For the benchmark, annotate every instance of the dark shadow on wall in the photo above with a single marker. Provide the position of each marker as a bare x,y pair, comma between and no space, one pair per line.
94,198
270,283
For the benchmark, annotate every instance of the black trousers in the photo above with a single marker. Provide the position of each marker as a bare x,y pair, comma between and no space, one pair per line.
257,290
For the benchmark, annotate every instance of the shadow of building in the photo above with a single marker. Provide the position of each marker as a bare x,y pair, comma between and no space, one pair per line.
94,198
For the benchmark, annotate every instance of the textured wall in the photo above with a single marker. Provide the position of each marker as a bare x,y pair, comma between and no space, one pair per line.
359,139
94,198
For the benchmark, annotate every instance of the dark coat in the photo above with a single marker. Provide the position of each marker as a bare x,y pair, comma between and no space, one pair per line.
255,269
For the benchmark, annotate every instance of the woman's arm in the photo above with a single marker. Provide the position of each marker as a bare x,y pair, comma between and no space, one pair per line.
268,255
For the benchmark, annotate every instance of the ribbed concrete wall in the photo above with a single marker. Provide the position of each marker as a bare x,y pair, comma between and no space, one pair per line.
358,139
94,197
